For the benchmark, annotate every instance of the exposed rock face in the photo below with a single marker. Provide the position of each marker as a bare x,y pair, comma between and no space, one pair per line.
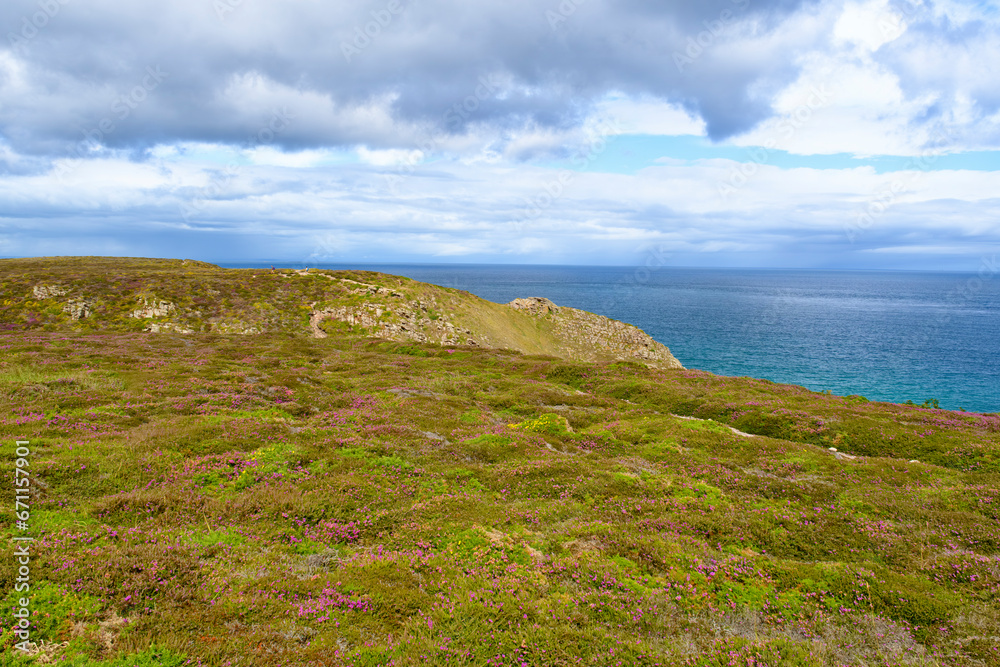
404,321
152,308
48,291
580,335
582,331
373,290
534,305
78,309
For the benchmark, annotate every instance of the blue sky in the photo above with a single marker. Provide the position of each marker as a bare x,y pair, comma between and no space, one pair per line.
766,133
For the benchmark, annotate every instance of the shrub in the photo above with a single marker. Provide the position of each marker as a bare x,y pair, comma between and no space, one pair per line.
908,598
490,448
548,423
154,656
574,375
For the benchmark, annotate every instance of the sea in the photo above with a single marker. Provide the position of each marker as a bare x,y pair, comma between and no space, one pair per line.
887,335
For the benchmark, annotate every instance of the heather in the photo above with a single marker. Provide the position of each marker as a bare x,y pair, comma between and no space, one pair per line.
277,499
100,294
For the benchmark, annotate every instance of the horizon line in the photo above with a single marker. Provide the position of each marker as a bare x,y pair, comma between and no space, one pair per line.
235,264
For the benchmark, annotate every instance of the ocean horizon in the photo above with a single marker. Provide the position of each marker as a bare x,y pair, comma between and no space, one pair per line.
888,335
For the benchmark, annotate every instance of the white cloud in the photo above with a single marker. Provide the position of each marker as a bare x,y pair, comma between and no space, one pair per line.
648,116
268,155
390,157
454,209
868,25
969,249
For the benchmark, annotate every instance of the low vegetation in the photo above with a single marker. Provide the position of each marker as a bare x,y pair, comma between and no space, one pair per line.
277,499
100,294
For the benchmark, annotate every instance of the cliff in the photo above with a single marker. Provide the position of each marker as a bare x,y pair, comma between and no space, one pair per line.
187,297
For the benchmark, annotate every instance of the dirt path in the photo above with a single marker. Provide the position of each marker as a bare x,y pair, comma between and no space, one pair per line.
840,456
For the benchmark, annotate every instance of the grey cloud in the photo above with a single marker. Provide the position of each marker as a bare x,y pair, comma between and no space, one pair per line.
225,76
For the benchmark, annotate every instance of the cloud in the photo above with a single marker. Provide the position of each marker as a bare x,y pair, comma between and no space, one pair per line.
391,157
928,250
944,57
475,212
183,72
646,115
400,129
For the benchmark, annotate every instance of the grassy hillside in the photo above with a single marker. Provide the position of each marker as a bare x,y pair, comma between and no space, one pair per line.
280,499
89,294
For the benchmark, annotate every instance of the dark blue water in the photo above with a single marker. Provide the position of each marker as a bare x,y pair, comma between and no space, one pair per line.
891,336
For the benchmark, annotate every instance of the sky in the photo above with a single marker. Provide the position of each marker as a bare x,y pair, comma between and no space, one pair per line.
740,133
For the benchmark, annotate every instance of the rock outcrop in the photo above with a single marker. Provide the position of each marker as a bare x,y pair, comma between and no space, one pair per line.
576,334
403,321
151,307
186,297
534,305
580,330
48,291
78,309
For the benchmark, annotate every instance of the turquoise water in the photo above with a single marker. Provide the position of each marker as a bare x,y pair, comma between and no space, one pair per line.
891,336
